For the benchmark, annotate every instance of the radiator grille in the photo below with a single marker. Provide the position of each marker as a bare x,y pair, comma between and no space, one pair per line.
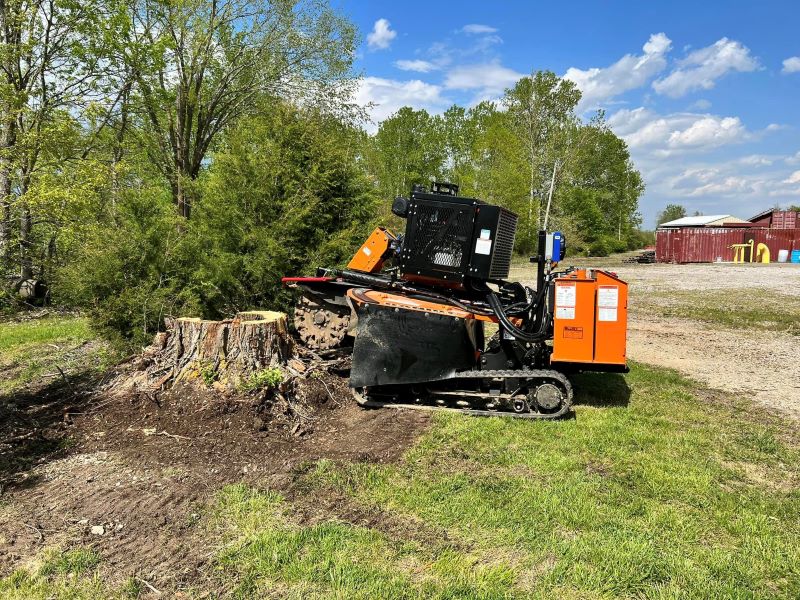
441,237
504,245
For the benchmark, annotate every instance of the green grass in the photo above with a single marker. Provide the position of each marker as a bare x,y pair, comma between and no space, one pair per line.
671,496
65,575
658,488
30,349
269,553
730,308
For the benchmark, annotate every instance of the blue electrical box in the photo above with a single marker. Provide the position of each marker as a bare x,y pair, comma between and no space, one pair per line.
557,239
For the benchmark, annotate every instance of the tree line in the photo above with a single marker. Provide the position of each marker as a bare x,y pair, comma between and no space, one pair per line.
179,156
513,152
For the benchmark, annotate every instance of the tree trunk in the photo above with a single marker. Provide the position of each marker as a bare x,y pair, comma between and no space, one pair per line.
182,202
5,219
226,353
5,192
25,258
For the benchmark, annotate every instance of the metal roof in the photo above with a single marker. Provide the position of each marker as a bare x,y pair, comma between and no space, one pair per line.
762,214
698,221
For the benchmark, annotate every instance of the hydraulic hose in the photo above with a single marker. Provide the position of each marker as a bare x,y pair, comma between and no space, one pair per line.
538,335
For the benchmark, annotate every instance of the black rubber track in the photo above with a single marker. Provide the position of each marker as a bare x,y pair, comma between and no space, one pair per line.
540,375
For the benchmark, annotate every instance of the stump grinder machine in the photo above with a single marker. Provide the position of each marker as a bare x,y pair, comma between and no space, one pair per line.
414,311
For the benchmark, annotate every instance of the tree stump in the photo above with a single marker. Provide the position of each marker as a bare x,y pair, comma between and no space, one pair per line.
225,353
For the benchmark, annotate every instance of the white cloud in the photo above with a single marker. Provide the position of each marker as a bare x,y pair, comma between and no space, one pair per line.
756,160
421,66
793,178
389,95
665,135
470,77
381,35
488,80
709,131
791,65
710,181
477,28
629,72
703,67
701,104
793,160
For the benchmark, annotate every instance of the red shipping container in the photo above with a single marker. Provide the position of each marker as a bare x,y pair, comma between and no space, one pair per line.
784,219
708,244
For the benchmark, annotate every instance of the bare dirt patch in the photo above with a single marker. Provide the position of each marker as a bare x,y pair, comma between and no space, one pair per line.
757,364
764,366
130,474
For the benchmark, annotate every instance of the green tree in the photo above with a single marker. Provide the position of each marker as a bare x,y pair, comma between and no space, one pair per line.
598,160
51,69
284,194
541,114
670,213
200,65
407,149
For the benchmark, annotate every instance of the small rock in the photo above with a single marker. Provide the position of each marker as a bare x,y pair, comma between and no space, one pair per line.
98,530
83,522
118,526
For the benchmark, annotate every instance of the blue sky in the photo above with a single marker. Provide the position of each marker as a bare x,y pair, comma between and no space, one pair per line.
705,93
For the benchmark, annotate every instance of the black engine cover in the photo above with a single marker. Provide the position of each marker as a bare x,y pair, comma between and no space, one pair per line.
396,346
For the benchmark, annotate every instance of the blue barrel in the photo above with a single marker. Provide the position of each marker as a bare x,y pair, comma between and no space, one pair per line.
795,256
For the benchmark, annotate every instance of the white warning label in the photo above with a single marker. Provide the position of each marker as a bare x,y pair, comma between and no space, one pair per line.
608,297
483,246
607,314
565,312
565,294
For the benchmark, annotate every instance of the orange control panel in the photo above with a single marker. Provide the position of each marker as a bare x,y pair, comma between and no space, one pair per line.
590,319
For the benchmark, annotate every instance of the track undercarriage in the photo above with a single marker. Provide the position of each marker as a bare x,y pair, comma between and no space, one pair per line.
523,394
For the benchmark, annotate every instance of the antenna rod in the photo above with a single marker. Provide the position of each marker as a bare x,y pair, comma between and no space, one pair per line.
550,195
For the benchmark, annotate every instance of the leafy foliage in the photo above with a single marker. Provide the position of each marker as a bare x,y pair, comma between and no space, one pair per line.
510,157
283,194
242,112
670,213
266,378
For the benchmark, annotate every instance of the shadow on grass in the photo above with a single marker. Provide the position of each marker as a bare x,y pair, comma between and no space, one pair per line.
602,390
33,424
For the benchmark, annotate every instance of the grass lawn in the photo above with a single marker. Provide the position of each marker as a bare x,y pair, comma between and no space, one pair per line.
657,488
31,349
730,308
675,495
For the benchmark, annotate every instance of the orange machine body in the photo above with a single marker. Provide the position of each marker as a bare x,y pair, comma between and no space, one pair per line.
362,296
590,319
370,257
